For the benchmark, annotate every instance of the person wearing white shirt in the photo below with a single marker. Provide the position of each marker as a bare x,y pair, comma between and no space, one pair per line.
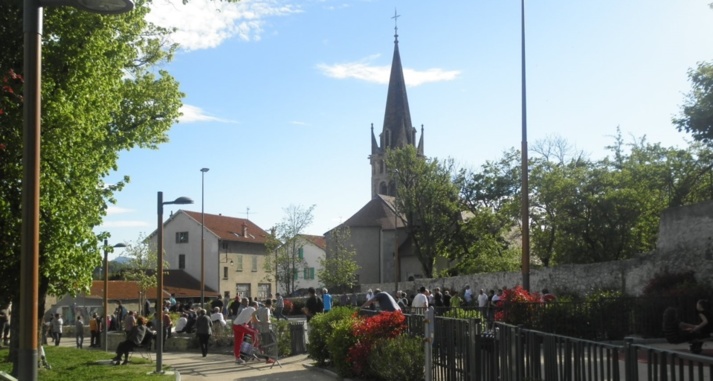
241,328
419,303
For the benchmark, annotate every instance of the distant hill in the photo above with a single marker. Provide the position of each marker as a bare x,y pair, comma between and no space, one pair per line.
121,260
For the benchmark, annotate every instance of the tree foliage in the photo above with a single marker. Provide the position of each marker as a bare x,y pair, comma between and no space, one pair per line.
696,115
141,267
285,262
101,94
338,268
428,198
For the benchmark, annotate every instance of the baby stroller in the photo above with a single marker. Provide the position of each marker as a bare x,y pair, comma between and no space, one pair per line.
675,334
267,349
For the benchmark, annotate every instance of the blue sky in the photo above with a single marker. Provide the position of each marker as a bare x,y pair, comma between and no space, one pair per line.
280,94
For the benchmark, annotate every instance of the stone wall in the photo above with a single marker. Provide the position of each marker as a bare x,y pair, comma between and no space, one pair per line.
684,244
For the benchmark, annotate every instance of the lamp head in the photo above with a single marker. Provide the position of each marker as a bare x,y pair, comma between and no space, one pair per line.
118,245
181,201
204,170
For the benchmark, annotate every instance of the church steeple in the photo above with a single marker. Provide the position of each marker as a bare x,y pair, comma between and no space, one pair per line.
397,131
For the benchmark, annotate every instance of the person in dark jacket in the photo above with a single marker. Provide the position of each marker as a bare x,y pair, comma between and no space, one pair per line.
135,338
204,329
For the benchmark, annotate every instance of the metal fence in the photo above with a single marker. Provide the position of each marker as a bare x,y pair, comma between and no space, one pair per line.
461,349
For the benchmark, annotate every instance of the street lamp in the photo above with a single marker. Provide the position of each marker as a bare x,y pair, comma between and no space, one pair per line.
106,291
159,276
30,247
203,171
525,207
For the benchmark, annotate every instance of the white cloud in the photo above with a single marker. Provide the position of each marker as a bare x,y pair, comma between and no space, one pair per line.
364,71
190,114
112,210
205,24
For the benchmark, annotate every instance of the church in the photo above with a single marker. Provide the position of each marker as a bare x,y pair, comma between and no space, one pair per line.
384,250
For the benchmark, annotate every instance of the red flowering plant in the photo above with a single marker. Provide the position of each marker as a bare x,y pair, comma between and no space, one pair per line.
517,306
368,332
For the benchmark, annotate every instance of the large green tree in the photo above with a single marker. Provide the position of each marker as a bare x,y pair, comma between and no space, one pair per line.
427,196
101,94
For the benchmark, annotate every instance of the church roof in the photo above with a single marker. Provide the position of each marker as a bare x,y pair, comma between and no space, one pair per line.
379,212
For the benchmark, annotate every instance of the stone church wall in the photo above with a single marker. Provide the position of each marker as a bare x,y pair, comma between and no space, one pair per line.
684,244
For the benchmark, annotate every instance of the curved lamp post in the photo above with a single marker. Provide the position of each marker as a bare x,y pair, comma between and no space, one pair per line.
159,276
30,258
203,171
106,291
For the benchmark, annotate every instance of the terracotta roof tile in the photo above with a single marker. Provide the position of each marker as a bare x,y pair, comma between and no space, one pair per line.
317,240
231,228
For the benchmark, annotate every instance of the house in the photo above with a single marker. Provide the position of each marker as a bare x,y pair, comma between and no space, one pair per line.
234,252
384,248
311,249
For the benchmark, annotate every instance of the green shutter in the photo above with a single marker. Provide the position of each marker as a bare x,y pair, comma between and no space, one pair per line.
301,253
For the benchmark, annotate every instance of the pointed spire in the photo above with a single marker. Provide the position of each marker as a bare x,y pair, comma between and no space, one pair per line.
420,143
374,144
397,117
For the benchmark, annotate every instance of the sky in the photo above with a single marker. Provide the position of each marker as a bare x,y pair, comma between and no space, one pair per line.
280,95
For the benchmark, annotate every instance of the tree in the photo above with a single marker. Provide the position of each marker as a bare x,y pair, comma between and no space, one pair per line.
697,112
427,196
101,94
339,267
141,267
286,262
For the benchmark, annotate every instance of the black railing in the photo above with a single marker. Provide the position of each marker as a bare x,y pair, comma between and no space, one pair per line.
462,350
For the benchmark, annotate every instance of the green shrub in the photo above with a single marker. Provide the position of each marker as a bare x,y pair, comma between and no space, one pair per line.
397,359
338,344
320,330
460,313
284,337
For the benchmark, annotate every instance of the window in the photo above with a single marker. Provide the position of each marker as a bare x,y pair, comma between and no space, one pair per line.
243,289
239,263
301,253
264,291
225,272
295,274
254,263
182,261
181,237
308,273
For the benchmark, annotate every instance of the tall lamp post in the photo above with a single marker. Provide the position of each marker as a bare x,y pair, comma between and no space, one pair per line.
106,291
159,276
203,171
30,247
525,207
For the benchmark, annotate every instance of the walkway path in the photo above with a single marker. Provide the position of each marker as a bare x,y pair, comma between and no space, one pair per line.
222,367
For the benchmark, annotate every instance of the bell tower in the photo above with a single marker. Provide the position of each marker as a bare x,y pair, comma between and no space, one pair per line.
397,131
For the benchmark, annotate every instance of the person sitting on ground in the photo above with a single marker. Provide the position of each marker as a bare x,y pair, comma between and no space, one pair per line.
675,331
386,301
134,339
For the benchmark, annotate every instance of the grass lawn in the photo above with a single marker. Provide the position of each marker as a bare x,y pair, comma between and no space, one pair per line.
72,364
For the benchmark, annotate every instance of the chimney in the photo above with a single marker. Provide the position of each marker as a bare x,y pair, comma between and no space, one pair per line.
245,230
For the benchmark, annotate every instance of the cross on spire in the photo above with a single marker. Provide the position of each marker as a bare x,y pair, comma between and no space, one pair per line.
396,27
